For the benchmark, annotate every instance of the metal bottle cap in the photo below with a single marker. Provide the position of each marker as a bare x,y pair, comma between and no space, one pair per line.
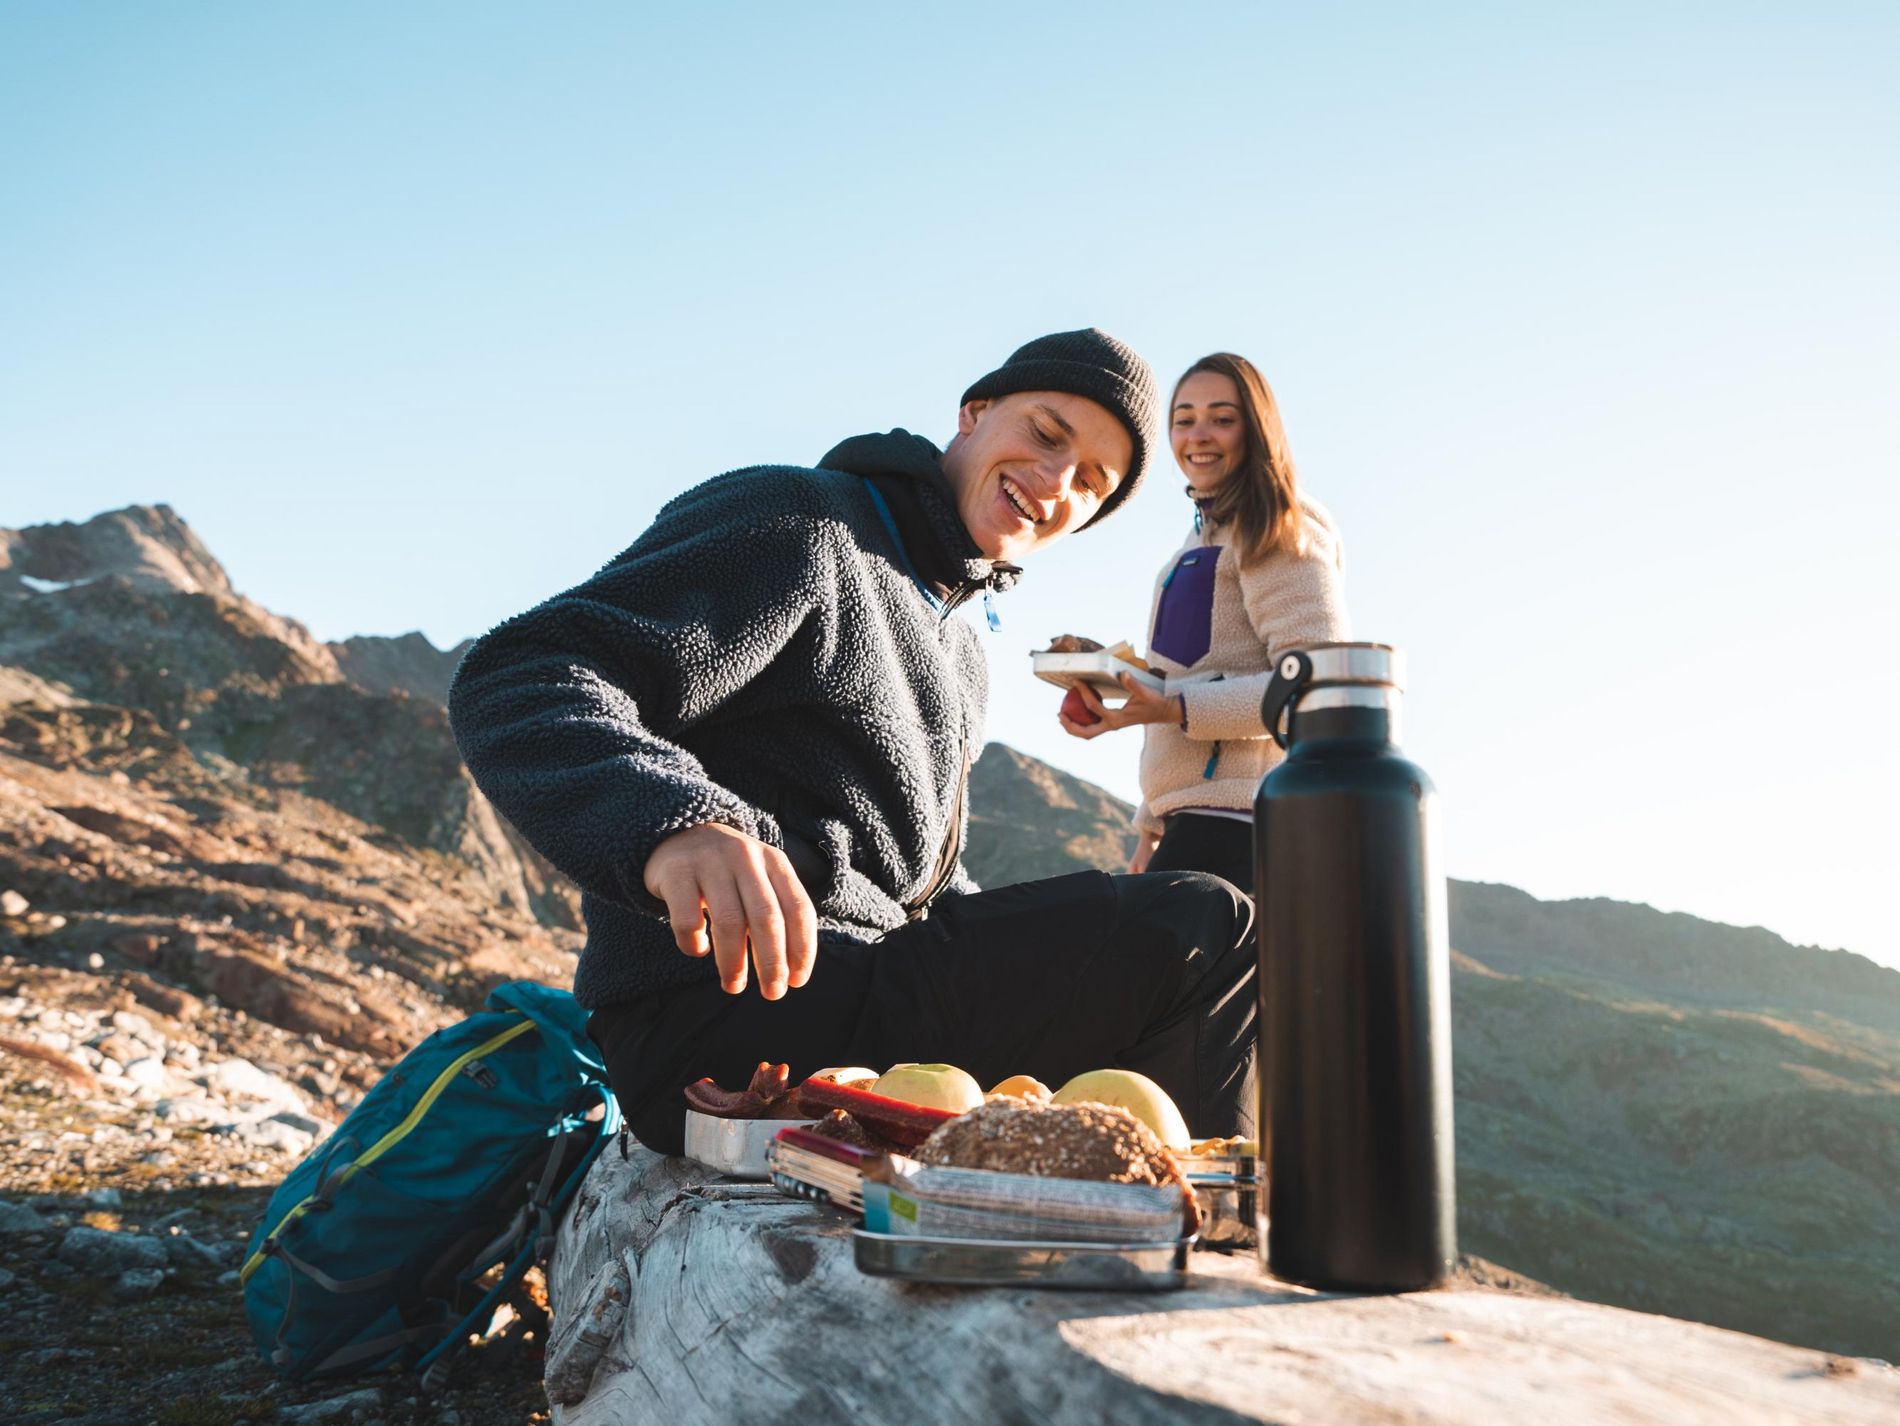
1339,675
1333,664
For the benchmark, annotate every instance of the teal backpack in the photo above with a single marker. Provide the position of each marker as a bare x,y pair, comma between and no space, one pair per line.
398,1237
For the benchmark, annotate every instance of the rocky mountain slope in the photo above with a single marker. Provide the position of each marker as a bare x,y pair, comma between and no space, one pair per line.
241,870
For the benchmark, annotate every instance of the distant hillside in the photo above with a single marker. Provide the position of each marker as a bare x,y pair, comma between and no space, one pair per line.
1599,943
1029,820
407,664
1652,1109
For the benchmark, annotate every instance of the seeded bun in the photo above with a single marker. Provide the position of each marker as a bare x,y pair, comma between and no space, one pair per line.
1092,1141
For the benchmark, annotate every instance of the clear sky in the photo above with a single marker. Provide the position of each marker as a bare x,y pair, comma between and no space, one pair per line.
1585,323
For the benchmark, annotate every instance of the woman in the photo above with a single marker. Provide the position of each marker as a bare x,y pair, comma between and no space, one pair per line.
1259,573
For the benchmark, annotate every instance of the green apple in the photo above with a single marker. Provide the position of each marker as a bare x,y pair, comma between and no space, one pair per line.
1139,1095
938,1086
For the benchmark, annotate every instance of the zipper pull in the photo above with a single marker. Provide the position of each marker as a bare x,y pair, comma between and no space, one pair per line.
481,1074
1207,772
989,612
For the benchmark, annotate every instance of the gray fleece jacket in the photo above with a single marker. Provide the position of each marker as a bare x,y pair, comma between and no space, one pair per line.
765,657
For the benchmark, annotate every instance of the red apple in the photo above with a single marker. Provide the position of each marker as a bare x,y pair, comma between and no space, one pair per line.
1075,710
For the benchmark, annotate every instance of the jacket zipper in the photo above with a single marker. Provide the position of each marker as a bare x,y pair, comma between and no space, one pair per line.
919,909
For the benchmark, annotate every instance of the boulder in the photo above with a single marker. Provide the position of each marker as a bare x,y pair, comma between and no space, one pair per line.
260,986
273,1134
187,1254
683,1298
352,1405
240,1079
93,1252
137,1284
146,1072
20,1218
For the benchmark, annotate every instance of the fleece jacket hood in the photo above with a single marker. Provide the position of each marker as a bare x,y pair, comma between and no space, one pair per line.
907,471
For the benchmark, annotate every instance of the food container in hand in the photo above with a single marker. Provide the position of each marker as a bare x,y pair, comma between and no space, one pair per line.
734,1147
1100,669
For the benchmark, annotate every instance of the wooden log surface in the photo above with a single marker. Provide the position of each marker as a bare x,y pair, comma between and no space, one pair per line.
684,1298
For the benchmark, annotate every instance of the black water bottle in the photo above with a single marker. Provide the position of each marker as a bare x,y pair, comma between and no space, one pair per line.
1355,1000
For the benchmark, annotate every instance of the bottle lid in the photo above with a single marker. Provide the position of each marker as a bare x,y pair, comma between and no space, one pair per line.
1335,675
1341,664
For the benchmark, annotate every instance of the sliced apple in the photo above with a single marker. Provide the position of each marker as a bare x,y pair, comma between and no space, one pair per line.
937,1086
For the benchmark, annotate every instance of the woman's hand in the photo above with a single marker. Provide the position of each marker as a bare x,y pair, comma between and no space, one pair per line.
1144,705
1145,845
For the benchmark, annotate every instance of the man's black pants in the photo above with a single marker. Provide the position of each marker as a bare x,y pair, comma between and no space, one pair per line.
1151,973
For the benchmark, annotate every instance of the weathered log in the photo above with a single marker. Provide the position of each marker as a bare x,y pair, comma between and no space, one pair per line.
683,1298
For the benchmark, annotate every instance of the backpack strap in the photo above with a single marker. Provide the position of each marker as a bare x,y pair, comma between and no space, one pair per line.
541,1192
550,1188
377,1347
281,1356
330,1284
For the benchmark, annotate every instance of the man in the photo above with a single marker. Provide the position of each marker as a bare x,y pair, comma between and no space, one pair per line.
747,740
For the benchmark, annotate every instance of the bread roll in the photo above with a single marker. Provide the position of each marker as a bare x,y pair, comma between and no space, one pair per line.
1091,1141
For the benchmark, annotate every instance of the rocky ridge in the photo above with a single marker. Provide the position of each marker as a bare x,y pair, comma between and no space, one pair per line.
234,886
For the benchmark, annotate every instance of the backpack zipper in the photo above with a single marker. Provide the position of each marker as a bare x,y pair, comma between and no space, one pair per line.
389,1140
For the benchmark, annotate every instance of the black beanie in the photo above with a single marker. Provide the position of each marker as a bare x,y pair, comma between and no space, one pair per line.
1086,363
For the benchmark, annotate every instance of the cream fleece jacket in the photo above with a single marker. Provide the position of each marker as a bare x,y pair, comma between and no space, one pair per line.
1255,612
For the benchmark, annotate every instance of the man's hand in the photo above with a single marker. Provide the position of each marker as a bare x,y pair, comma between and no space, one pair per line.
1144,705
719,881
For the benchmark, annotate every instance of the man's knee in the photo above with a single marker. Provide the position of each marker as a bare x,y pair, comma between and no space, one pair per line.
1191,911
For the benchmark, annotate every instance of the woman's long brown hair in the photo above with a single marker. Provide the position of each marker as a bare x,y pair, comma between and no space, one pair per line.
1260,502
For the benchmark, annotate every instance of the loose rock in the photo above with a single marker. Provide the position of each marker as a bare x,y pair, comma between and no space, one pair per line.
19,1218
245,1080
274,1134
335,1409
96,1253
137,1284
187,1254
147,1073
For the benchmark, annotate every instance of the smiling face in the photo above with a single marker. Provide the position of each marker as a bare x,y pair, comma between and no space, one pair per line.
1030,467
1206,430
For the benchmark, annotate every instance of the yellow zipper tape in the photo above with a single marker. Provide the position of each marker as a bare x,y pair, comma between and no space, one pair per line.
388,1141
